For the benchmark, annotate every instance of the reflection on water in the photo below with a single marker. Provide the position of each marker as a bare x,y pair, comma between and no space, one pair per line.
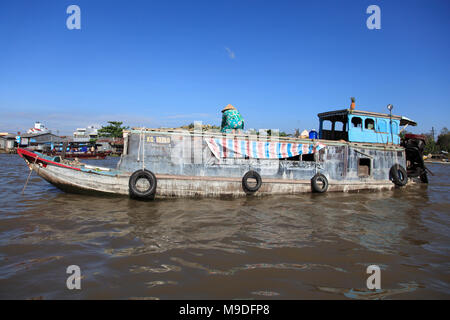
286,247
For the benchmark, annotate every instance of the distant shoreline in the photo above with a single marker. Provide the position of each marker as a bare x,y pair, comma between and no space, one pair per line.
436,162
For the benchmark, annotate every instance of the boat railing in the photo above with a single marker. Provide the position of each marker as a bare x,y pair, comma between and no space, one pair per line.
253,136
203,134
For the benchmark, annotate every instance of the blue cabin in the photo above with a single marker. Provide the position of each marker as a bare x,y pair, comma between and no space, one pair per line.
361,126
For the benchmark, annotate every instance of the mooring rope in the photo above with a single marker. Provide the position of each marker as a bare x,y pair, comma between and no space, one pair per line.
139,148
29,175
143,151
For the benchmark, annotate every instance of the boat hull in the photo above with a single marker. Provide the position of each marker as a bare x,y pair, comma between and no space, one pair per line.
184,186
71,179
187,165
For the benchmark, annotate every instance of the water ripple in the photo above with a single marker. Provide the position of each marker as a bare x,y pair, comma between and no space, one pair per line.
306,246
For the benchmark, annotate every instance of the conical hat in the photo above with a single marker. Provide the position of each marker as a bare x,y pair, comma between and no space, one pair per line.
228,107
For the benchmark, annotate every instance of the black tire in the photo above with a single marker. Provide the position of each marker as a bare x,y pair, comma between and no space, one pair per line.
137,193
319,183
251,175
398,175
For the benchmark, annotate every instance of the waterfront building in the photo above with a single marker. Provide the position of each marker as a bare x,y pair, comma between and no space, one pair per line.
40,141
85,134
7,141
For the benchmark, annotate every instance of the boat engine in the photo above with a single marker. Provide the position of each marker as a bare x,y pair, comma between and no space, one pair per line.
414,145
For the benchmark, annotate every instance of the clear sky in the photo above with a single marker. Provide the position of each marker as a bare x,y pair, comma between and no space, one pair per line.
168,63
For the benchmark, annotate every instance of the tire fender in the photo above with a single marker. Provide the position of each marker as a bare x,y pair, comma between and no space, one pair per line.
142,194
319,183
251,189
398,175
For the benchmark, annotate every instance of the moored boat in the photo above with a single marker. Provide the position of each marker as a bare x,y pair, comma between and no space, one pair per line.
86,155
362,153
77,150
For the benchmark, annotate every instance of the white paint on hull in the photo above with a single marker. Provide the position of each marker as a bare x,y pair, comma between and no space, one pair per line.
185,186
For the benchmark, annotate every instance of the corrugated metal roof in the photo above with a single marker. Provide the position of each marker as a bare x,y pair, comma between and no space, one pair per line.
32,135
406,121
8,136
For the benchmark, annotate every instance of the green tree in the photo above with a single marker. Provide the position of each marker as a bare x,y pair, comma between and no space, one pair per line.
430,144
113,130
443,140
205,127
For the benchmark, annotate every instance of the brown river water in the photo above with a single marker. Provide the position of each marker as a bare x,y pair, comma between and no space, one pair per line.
311,246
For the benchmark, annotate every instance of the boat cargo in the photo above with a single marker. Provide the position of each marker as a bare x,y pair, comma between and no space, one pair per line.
355,150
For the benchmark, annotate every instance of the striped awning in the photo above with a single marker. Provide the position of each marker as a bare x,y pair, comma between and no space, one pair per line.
236,148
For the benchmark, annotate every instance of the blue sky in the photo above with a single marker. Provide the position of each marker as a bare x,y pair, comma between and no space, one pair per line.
168,63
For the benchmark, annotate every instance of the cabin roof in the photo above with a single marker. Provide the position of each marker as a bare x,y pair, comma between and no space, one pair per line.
345,112
406,121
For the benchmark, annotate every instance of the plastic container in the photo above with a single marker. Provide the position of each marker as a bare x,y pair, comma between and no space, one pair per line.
313,134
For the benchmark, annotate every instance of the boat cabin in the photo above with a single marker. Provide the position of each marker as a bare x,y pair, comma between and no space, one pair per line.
361,126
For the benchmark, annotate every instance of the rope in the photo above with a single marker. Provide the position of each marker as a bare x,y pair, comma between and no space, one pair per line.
143,152
29,175
139,149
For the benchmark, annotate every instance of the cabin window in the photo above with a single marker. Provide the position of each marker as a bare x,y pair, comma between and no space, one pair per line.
363,167
308,157
356,122
369,124
381,125
304,157
326,125
339,126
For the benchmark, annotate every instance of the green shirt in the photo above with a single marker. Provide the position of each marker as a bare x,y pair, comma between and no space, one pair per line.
231,119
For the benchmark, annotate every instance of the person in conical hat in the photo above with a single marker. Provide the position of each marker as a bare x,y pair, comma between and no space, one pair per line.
228,107
231,120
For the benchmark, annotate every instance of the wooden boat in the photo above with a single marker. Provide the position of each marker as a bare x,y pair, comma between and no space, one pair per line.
79,150
86,155
179,163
